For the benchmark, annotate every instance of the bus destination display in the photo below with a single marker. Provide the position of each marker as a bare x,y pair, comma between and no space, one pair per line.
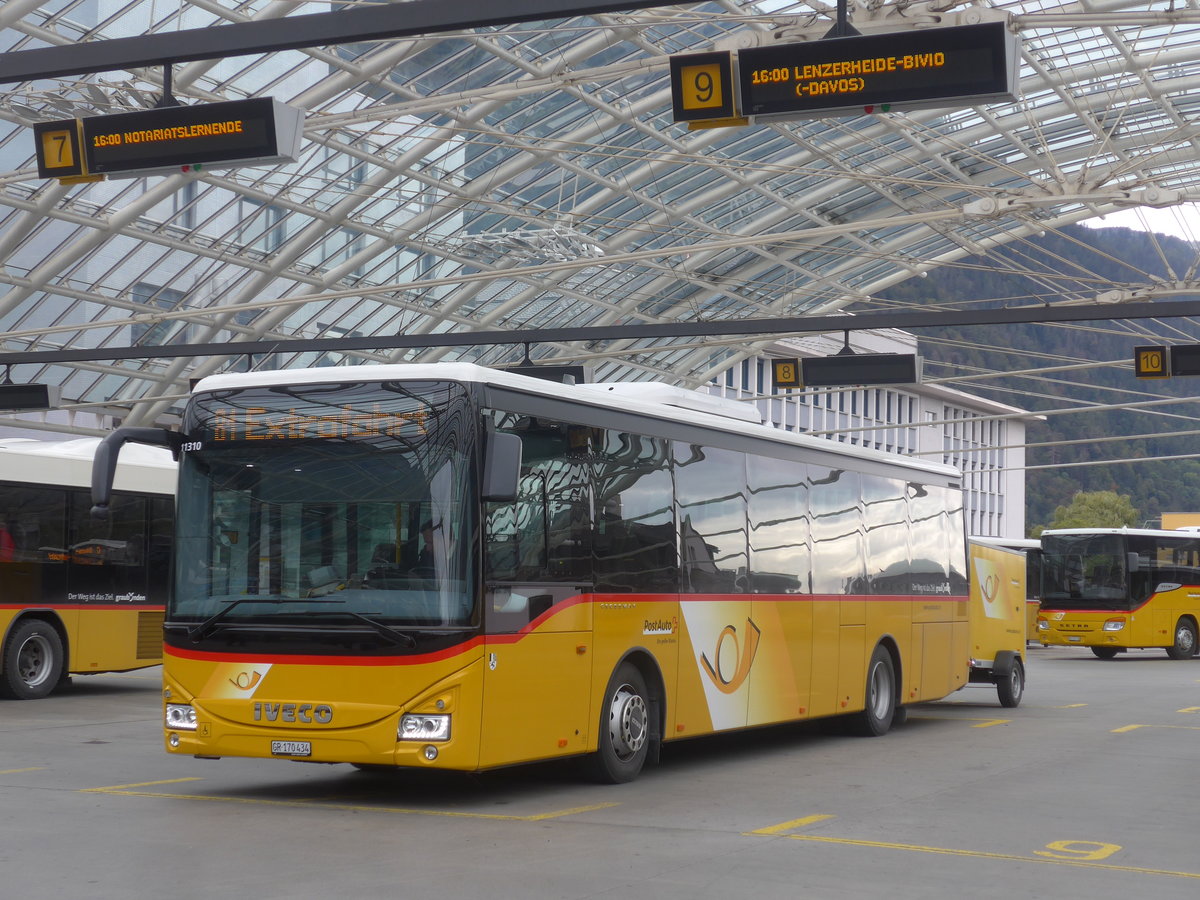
259,424
936,67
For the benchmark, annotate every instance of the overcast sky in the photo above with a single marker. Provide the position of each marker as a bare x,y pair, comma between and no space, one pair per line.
1181,221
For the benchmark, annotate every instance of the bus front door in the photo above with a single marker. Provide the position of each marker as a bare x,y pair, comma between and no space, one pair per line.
537,676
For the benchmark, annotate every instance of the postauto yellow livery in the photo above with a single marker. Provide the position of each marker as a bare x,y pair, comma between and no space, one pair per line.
444,566
80,596
998,618
1114,589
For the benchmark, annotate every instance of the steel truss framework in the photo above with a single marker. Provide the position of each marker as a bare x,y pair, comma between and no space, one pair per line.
529,177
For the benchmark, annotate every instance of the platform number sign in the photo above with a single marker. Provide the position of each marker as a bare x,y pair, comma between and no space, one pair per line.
1151,362
58,149
702,86
786,374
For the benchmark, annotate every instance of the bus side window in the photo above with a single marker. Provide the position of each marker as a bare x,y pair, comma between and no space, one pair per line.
634,544
36,520
515,534
544,535
710,490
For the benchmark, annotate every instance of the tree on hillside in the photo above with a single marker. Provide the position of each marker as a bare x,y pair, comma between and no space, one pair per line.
1096,509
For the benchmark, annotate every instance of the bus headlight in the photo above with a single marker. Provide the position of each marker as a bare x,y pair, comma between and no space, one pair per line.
180,717
1043,625
423,728
1114,625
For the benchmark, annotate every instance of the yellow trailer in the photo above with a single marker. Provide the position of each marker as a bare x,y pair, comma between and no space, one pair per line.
997,620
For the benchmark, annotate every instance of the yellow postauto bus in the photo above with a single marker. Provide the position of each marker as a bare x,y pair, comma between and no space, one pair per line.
79,596
449,567
1114,589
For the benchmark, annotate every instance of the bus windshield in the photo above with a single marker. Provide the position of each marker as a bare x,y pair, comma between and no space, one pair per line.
1087,570
1116,571
326,507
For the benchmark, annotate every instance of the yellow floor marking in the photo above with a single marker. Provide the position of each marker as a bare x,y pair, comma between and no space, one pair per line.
1175,727
986,723
1072,706
979,854
1189,709
123,790
790,826
19,771
118,788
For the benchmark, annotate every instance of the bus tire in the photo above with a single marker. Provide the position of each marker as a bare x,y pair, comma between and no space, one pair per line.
879,707
1185,640
1012,687
625,728
1106,652
32,661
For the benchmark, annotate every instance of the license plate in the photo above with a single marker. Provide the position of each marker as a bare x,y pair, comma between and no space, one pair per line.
1074,638
291,748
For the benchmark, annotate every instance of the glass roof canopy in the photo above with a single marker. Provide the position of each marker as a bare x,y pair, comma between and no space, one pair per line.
531,176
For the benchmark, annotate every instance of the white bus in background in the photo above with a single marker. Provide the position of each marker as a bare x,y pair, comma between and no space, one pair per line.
79,595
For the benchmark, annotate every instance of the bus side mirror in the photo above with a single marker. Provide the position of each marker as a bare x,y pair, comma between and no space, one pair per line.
104,463
502,467
1131,562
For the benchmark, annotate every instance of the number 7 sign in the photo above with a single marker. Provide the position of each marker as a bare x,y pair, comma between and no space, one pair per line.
58,151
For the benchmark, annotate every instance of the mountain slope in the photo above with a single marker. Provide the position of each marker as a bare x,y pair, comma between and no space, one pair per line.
1075,262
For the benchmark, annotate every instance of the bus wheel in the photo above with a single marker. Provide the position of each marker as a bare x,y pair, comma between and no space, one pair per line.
1106,652
1012,688
880,706
624,728
33,661
1185,640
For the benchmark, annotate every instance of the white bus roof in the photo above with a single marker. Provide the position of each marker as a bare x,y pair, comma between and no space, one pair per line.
1143,532
1007,543
648,398
69,464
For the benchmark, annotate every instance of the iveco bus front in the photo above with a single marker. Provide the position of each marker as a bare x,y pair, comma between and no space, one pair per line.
326,530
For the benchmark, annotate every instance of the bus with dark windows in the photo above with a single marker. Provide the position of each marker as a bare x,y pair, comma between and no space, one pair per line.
448,566
1115,589
79,596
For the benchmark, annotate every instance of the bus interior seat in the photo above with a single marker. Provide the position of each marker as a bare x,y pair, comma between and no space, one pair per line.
538,604
321,576
513,603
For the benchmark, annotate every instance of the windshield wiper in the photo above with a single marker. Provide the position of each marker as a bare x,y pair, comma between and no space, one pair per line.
378,627
198,632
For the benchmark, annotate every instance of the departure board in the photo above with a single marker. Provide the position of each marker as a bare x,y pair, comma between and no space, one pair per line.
176,136
255,131
871,73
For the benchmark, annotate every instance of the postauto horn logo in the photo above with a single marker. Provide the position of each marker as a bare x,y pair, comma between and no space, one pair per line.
743,658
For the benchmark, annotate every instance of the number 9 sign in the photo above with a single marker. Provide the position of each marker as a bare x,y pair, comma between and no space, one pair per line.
701,86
